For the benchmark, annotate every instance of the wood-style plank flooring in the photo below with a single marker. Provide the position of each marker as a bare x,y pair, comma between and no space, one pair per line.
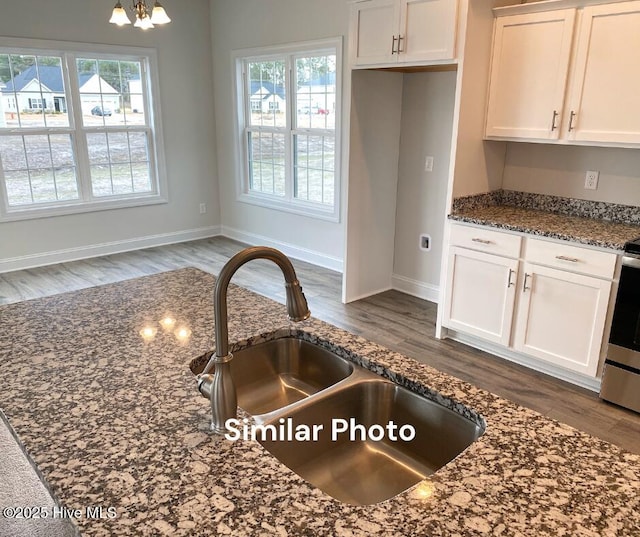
400,322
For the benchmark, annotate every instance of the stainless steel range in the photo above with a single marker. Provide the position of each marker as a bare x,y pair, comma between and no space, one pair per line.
621,378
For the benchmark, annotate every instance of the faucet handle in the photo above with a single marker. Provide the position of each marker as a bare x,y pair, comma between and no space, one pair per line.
205,382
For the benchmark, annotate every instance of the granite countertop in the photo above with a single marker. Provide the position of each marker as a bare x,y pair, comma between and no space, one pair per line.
584,222
114,420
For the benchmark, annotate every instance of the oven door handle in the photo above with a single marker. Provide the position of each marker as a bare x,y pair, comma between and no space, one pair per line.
629,261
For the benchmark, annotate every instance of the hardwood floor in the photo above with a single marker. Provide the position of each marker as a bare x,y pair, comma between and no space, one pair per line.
400,322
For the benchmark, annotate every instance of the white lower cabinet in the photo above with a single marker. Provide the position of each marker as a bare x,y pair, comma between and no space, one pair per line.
482,291
561,317
549,302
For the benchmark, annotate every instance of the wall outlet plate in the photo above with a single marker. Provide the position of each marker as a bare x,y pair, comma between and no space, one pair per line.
425,242
591,180
428,164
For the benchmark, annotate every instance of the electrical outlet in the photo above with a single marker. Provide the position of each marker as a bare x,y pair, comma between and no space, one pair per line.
428,164
203,208
425,242
591,180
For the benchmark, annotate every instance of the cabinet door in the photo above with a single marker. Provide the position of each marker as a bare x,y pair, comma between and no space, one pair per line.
374,32
561,317
480,294
427,30
529,69
605,96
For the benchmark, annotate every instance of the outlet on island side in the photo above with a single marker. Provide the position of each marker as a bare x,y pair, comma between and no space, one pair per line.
425,242
203,208
591,180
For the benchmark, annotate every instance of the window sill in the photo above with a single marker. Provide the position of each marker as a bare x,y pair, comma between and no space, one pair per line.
308,209
33,213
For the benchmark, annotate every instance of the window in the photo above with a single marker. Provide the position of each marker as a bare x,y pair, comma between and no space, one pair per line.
37,104
77,130
288,112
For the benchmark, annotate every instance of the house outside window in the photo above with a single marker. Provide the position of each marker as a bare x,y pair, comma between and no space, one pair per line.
78,130
288,101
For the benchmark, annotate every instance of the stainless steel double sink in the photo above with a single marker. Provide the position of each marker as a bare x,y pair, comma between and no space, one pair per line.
295,383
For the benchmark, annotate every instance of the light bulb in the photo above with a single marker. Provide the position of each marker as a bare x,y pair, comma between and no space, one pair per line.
159,15
119,16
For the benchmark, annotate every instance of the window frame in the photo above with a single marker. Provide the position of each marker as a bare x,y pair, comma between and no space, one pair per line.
87,202
242,102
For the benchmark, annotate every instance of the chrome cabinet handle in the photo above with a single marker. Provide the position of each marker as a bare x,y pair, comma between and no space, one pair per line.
524,285
481,241
565,258
393,44
509,282
571,116
400,40
553,120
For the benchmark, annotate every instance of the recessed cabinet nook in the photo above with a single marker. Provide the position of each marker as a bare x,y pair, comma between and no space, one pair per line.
566,72
388,32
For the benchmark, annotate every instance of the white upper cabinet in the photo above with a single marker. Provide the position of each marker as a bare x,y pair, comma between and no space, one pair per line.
605,97
374,32
386,32
530,64
566,75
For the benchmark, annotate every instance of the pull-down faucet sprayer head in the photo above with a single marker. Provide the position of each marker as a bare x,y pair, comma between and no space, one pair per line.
297,308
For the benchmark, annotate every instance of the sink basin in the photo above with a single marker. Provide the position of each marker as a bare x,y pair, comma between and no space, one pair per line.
351,421
364,472
272,375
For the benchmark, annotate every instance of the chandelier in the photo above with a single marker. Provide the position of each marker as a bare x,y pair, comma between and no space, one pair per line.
145,18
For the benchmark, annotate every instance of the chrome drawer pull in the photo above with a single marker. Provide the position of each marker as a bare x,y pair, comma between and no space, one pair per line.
565,258
481,241
509,282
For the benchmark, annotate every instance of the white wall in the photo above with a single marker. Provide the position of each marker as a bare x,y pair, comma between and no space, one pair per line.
427,122
376,111
185,72
478,164
254,23
560,171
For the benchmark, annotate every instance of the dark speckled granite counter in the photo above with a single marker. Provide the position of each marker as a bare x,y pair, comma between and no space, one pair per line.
593,223
113,420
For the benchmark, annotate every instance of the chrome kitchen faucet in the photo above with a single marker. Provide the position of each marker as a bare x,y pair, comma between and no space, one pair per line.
219,386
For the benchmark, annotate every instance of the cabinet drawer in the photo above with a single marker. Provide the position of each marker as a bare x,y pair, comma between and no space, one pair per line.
571,258
486,240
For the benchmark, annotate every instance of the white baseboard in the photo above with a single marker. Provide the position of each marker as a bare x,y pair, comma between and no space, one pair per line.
107,248
296,252
416,288
590,383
